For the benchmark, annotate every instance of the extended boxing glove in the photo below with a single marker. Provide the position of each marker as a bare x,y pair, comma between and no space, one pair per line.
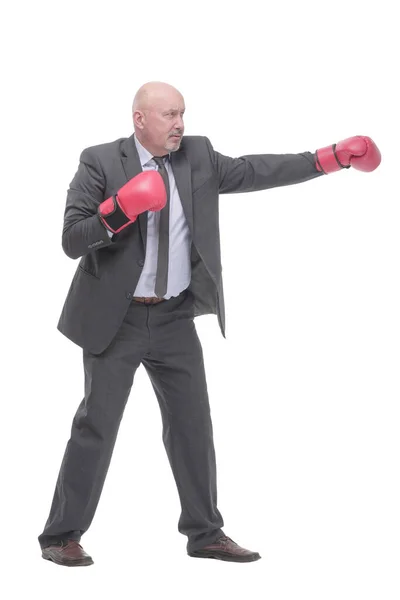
359,152
144,192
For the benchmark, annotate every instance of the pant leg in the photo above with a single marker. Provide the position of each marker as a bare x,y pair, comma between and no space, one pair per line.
108,381
176,370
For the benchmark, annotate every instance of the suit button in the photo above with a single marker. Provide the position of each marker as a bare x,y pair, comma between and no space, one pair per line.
140,262
129,295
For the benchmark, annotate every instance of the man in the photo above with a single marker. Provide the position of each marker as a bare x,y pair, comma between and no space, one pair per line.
142,216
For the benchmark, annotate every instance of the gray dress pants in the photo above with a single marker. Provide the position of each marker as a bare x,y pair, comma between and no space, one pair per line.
163,338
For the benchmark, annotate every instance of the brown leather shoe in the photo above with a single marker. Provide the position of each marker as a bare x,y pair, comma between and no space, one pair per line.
68,553
224,548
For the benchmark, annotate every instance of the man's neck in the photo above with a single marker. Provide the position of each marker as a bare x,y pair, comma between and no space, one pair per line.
151,151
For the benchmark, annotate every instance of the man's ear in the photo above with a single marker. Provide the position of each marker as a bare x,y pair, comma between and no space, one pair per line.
138,118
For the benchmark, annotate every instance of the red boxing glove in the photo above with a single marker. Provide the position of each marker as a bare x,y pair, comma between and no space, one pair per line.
144,192
359,152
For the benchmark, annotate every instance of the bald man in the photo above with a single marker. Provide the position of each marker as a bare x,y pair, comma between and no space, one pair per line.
142,215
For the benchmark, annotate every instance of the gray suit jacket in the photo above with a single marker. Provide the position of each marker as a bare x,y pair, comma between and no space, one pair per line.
109,269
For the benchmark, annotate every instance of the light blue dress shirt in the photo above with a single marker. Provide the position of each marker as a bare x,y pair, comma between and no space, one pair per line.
180,239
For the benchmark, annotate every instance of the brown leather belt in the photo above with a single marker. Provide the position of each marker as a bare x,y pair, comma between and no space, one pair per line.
148,299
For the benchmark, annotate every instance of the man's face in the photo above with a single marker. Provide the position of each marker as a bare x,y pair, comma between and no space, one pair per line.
162,125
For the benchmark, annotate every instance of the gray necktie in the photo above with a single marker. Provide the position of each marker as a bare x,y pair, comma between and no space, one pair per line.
163,238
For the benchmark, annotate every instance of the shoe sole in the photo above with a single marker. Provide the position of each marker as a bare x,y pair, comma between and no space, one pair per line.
222,556
76,563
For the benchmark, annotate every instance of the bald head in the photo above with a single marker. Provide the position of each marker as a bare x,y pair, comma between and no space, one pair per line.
153,93
157,113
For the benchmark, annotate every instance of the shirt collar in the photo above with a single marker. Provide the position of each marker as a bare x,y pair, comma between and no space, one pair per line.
144,155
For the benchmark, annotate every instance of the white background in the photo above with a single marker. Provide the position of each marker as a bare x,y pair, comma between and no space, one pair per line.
305,390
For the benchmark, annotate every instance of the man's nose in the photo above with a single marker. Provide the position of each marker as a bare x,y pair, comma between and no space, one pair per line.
179,122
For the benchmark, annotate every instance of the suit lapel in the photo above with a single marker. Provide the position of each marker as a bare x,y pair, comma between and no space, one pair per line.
182,173
132,167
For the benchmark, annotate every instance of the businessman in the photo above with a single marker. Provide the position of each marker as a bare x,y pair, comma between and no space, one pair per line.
142,216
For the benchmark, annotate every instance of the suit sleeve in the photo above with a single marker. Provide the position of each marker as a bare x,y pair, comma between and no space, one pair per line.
256,172
83,231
